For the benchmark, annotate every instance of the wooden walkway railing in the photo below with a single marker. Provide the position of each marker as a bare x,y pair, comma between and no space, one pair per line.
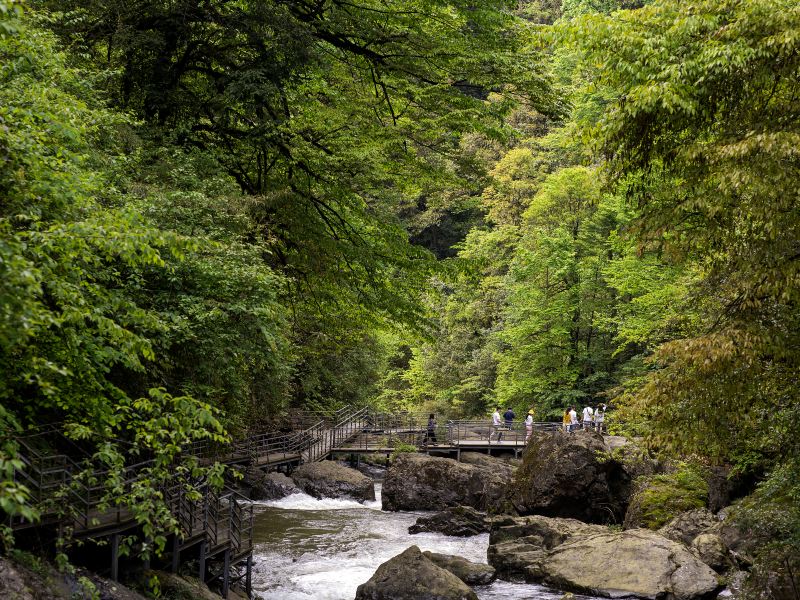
56,480
385,432
69,493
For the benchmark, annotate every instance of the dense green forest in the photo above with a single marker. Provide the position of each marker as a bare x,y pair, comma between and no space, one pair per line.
215,213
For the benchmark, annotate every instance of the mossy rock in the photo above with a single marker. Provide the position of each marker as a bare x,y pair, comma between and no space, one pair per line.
177,587
657,499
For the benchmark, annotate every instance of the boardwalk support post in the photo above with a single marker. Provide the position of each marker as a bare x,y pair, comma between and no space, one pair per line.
226,574
115,557
248,582
202,573
176,553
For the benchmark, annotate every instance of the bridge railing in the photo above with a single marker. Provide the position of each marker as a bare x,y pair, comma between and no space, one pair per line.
374,430
242,517
461,432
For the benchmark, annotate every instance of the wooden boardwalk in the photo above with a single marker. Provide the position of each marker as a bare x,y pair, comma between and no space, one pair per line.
217,527
451,437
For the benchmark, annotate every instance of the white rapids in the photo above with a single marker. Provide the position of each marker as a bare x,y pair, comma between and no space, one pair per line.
310,549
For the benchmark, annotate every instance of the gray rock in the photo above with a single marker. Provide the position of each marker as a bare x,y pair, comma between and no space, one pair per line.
543,532
712,551
328,479
571,476
36,579
592,559
518,545
458,521
267,486
742,539
615,442
420,482
488,462
12,582
413,576
181,587
469,572
688,525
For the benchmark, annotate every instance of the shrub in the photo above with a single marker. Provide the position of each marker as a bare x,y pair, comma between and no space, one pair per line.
660,498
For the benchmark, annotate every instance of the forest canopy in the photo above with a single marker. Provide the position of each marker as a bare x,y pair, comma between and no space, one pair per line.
214,213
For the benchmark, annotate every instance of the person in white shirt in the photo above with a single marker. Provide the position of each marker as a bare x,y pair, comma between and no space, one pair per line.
528,426
588,417
573,419
599,417
497,425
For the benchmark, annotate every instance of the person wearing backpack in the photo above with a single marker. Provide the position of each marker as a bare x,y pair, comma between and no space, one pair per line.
430,436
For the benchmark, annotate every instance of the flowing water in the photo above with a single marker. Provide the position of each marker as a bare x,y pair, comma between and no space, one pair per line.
309,549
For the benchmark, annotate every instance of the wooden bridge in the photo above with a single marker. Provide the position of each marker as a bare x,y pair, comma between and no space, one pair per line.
384,433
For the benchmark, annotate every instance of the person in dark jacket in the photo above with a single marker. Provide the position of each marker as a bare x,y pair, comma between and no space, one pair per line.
430,436
508,418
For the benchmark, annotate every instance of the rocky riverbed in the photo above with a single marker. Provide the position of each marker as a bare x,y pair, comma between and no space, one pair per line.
485,528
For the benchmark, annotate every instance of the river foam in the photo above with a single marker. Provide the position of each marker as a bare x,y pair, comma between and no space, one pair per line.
302,501
323,549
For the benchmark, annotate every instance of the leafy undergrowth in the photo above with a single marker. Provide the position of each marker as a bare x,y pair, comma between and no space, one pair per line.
662,497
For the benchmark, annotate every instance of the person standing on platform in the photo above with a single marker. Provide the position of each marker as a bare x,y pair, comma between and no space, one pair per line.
599,417
529,426
497,425
430,436
573,419
508,418
588,418
565,420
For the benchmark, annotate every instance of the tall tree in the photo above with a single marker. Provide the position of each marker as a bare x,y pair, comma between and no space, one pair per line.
558,343
704,133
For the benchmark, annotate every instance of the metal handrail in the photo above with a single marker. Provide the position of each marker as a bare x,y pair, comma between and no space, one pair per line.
465,430
222,516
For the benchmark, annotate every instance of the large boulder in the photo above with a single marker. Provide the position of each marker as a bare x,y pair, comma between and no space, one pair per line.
420,482
413,576
181,587
640,563
725,486
29,577
572,476
593,560
459,521
712,551
520,544
688,525
328,479
467,571
259,485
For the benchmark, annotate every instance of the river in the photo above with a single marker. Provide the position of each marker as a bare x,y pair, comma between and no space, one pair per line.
309,549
